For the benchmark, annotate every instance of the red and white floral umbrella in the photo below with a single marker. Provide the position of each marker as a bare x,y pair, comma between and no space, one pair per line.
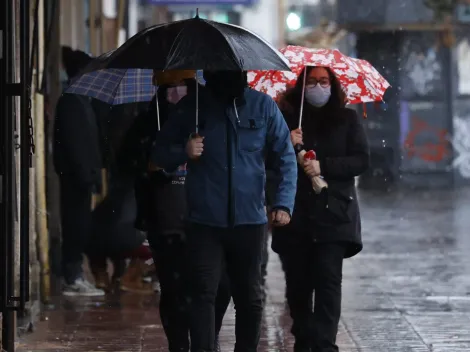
361,82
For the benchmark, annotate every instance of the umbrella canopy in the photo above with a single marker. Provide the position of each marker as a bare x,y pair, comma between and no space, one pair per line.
194,44
360,81
115,86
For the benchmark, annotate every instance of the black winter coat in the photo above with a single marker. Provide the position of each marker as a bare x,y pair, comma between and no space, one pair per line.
161,199
77,151
332,216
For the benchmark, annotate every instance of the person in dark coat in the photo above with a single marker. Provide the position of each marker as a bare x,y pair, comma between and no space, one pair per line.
325,227
78,161
161,200
238,128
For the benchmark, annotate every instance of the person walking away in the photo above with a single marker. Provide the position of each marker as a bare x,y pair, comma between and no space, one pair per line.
78,163
325,227
162,207
225,184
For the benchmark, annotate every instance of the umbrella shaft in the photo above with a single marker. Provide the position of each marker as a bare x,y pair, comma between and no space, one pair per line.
303,97
197,106
158,112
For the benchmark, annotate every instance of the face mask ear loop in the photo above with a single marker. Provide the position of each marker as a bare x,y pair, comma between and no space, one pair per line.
303,98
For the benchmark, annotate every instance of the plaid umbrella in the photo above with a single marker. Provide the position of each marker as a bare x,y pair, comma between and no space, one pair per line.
115,86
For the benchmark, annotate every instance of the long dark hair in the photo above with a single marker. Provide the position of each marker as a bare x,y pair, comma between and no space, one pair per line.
329,114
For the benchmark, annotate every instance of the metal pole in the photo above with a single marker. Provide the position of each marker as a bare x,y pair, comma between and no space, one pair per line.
25,152
5,155
6,199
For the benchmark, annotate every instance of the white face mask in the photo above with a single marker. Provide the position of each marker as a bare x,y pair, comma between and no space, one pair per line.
317,96
175,94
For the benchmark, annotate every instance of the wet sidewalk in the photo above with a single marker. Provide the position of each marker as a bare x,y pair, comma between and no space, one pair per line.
409,290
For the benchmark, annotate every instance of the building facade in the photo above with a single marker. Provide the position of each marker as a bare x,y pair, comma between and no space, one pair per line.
421,136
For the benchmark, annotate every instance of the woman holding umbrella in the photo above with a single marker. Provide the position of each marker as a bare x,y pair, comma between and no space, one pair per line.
326,226
332,149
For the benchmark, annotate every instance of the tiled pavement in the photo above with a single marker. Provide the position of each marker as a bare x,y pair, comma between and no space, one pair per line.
408,291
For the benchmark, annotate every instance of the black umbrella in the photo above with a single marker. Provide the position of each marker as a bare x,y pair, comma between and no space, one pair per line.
194,44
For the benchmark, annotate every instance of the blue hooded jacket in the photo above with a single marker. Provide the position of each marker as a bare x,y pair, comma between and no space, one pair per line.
225,187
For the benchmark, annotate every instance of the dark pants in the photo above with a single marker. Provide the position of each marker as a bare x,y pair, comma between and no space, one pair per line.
265,257
169,254
240,248
315,268
221,303
76,221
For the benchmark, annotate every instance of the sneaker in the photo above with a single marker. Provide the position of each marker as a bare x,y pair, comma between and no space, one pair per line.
156,286
82,287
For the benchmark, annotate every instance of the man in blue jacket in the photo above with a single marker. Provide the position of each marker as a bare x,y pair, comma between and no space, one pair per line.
239,129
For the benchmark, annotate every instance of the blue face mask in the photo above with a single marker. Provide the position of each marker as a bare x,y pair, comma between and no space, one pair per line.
317,96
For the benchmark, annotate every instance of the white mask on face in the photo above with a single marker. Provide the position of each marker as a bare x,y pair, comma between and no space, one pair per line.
175,94
317,96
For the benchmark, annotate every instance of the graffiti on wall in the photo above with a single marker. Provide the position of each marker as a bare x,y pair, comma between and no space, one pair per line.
422,66
422,69
426,142
461,143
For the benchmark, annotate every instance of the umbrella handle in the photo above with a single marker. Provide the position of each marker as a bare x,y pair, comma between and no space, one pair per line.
298,148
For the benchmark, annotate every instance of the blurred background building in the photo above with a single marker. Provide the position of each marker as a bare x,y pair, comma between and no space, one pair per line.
420,136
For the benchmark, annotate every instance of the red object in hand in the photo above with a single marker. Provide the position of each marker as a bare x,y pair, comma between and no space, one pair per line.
310,155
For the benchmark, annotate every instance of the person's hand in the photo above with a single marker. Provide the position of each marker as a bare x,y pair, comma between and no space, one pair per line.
311,167
280,218
296,137
301,157
195,147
